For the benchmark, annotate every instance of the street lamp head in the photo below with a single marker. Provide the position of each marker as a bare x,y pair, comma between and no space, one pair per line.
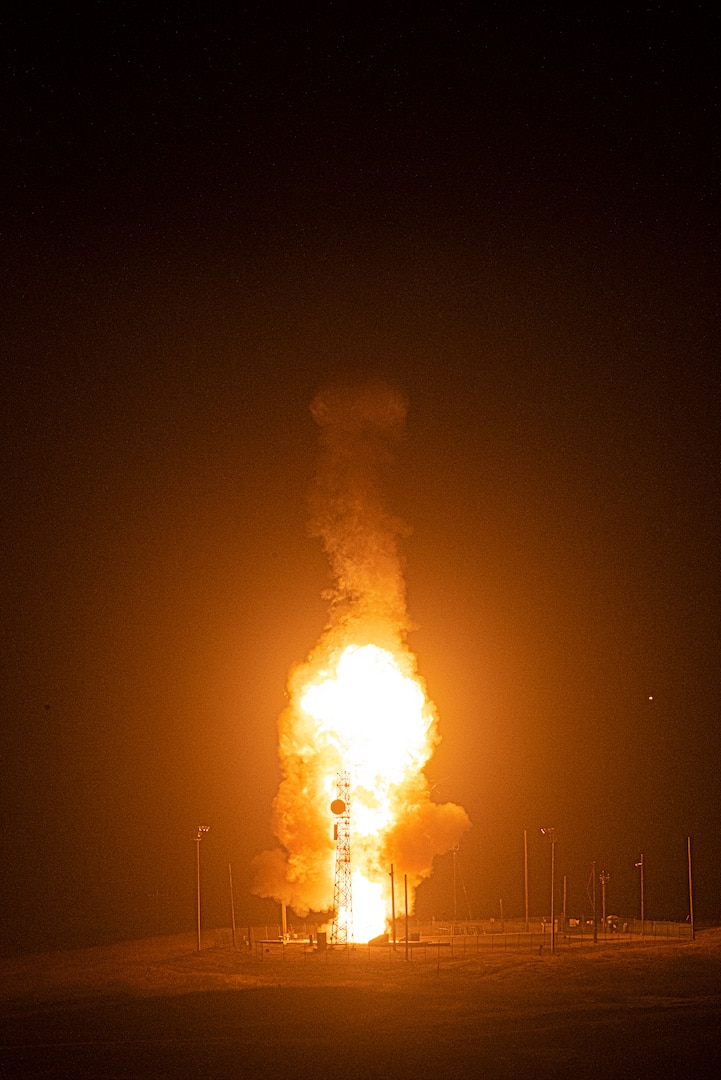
548,832
201,830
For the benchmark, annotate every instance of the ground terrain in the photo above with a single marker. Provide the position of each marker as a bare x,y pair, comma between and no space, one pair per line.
159,1009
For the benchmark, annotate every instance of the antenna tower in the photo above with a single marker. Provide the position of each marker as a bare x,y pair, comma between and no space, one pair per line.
342,928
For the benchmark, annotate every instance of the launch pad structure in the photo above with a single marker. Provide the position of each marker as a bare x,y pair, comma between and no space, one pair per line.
342,926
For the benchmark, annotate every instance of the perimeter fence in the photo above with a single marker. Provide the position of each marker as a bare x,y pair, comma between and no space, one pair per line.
437,942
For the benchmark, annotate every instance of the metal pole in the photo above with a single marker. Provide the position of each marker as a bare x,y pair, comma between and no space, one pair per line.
604,878
393,907
202,829
197,881
405,886
690,888
550,834
232,902
553,890
639,864
525,871
595,920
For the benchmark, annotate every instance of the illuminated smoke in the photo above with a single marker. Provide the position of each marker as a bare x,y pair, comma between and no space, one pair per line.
357,703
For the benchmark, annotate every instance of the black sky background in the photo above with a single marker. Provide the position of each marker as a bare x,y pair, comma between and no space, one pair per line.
208,216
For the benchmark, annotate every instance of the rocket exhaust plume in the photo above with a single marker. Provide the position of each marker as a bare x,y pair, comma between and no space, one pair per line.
357,704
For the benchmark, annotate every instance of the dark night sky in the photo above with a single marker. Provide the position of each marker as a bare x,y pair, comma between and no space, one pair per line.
208,217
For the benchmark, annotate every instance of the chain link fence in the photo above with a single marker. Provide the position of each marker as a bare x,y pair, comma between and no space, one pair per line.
308,942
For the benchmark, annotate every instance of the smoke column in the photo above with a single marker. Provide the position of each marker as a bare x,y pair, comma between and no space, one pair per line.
359,428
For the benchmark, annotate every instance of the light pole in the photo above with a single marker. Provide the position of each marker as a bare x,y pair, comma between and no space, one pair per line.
393,907
690,888
202,830
550,834
639,866
525,872
604,878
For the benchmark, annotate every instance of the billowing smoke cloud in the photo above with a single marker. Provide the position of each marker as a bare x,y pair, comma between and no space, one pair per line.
359,428
358,431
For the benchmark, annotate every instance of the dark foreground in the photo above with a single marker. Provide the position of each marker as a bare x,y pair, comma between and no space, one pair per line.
157,1011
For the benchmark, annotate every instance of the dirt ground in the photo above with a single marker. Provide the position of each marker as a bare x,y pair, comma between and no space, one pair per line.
159,1009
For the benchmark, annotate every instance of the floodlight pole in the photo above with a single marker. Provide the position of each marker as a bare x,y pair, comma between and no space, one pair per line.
690,888
553,894
455,908
639,866
550,834
201,831
604,878
525,871
405,888
393,907
232,901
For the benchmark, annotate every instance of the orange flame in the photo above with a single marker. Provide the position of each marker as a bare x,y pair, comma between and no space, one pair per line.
357,704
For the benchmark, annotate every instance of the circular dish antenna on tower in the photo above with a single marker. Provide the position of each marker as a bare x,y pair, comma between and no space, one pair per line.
338,807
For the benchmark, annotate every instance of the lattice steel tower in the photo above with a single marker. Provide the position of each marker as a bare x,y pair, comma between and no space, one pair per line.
342,928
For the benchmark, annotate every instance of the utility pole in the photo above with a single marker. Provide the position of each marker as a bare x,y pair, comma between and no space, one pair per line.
393,907
639,866
525,871
232,901
604,878
550,834
200,833
690,888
